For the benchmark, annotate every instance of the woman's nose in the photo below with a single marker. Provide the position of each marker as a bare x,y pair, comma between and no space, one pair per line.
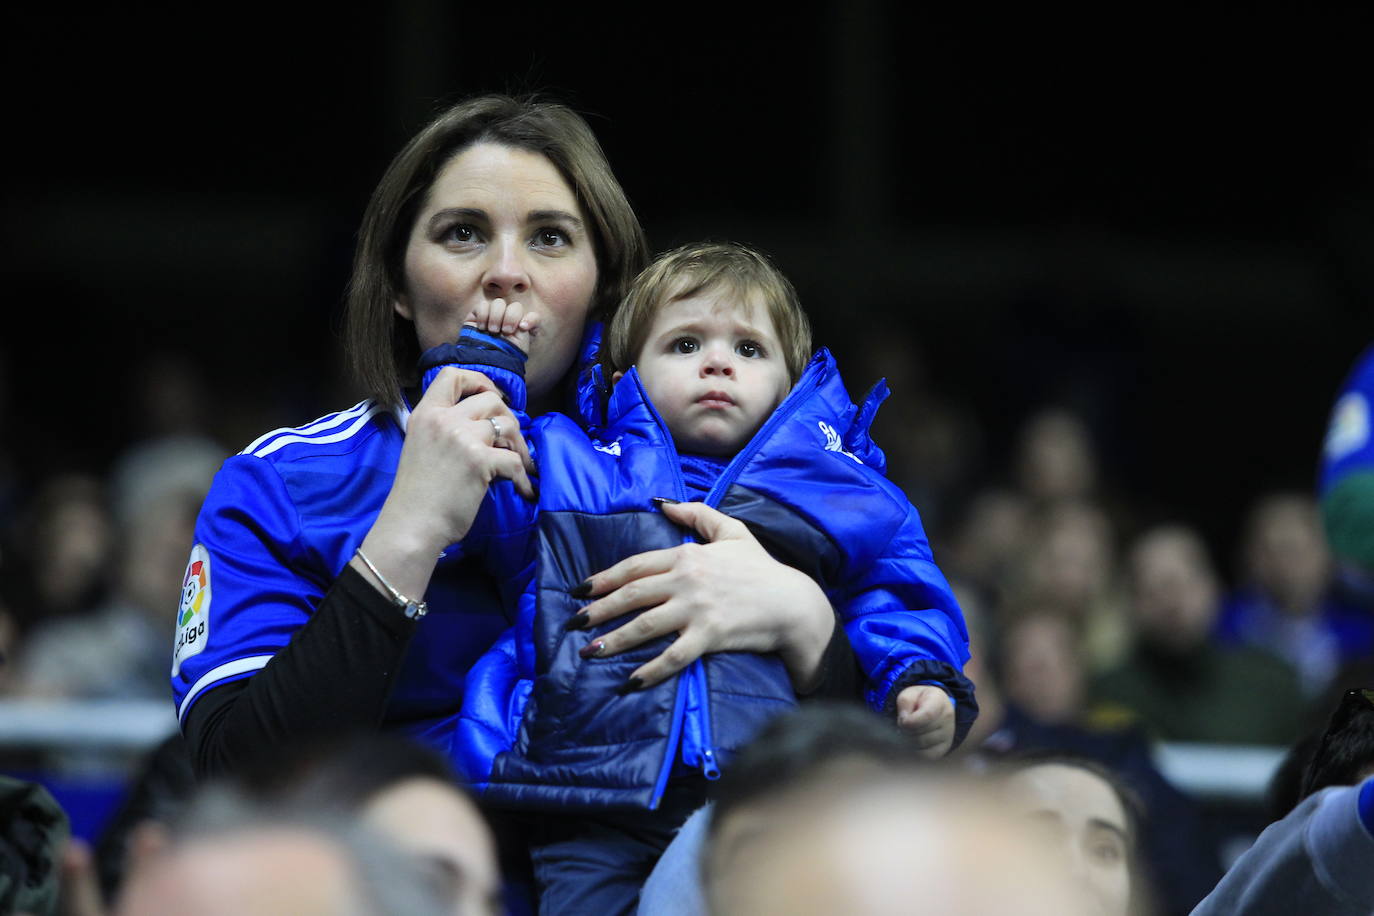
506,273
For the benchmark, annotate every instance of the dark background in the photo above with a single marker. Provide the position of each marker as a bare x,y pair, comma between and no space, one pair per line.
1168,224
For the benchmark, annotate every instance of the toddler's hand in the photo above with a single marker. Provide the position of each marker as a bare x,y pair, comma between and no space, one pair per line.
925,711
510,320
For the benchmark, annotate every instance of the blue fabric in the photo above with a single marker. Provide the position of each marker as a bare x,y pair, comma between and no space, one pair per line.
282,519
1366,806
544,728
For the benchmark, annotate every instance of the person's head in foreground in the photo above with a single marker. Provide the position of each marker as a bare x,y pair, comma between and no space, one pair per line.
1087,817
830,811
228,856
718,337
399,788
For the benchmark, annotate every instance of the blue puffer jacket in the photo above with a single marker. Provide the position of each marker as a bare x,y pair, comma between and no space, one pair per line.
543,728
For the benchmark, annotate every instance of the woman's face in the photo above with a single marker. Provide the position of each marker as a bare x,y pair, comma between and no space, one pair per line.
1083,816
501,223
433,820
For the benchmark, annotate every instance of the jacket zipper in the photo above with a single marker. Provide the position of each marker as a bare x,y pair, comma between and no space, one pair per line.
680,701
702,752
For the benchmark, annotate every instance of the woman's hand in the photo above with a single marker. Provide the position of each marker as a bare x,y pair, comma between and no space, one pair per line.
451,455
727,594
925,712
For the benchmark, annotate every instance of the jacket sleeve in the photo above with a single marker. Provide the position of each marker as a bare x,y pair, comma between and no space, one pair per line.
503,535
905,625
1315,860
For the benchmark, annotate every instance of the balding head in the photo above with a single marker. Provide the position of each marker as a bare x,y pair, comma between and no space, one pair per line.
891,845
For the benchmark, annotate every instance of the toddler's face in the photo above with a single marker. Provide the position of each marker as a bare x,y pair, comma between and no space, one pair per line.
714,368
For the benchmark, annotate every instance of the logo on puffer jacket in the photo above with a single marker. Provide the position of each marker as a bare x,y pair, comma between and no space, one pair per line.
612,449
193,615
832,440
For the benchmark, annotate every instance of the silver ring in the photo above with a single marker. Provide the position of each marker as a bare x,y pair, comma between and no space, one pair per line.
496,430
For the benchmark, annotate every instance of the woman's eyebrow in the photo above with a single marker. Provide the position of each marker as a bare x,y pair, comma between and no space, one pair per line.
544,216
469,213
1101,824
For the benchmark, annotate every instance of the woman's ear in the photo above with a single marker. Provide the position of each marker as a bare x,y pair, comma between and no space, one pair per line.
402,307
616,376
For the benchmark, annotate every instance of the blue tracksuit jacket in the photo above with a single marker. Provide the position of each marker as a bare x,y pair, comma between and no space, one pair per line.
543,728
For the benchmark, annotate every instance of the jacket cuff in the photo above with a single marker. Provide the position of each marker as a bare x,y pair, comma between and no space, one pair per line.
497,358
951,680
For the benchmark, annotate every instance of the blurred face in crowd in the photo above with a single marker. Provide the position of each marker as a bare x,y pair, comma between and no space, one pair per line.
1071,558
1042,669
1173,590
1056,457
430,818
1081,817
502,223
1286,552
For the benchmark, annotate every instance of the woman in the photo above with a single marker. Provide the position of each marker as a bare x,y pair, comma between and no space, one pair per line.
1089,815
327,588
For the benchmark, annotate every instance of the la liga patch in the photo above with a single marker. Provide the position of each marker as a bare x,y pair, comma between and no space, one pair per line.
193,614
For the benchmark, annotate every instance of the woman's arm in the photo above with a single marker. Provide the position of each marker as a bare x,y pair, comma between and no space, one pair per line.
334,676
334,671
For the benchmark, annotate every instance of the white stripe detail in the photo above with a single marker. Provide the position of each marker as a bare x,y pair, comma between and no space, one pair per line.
238,666
329,421
402,414
357,424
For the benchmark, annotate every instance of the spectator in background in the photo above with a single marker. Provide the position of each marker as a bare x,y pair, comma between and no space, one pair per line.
1179,857
1179,683
934,444
59,554
1286,603
1069,568
1090,817
118,649
1056,459
1316,859
988,542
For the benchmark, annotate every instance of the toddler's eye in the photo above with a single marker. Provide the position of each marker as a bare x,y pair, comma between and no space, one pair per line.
748,349
684,345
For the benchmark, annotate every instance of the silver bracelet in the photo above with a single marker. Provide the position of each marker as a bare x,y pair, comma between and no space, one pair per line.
412,609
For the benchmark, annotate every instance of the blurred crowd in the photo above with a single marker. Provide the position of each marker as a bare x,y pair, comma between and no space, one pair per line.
1099,627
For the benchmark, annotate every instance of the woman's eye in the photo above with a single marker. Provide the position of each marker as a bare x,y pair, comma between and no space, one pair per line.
551,238
748,349
461,233
684,345
1107,852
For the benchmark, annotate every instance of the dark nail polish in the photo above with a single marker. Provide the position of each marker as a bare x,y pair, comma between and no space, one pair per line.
592,649
661,501
582,590
630,686
578,621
